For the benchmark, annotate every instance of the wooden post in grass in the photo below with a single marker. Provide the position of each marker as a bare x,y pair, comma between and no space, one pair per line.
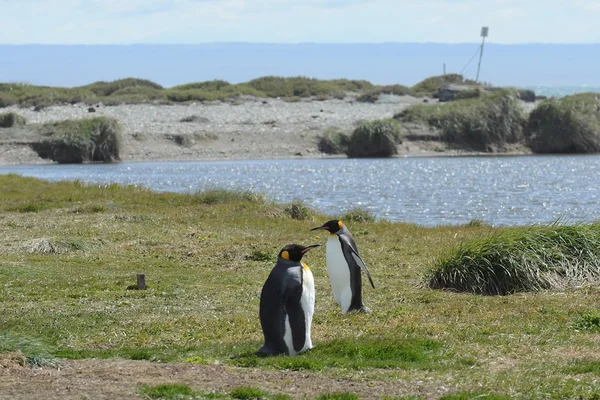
141,282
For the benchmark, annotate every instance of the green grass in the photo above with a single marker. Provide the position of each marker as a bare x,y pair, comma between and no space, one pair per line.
98,139
430,86
377,138
206,257
176,391
8,120
525,259
567,125
486,124
333,141
139,91
29,351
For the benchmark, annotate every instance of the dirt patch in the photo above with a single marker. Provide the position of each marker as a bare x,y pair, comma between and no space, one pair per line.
120,379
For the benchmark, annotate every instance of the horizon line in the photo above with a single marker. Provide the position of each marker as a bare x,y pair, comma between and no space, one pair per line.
308,43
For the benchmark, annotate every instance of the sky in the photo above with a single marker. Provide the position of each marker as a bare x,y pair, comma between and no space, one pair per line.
297,21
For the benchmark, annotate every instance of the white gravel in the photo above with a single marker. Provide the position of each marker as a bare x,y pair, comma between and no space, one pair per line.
242,129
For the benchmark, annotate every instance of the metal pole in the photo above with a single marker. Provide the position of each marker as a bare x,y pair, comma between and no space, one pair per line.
444,68
480,57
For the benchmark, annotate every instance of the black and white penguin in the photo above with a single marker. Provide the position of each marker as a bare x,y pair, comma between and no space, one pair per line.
343,267
287,304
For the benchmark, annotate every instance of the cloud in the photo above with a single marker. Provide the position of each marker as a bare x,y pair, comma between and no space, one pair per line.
196,21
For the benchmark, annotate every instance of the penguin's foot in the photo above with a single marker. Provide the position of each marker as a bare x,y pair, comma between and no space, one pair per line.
363,309
267,351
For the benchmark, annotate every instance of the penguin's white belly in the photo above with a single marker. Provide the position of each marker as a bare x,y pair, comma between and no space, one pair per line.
307,301
339,272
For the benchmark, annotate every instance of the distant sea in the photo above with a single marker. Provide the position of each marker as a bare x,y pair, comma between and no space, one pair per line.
561,91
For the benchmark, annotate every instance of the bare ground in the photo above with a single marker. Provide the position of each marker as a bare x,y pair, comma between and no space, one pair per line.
121,379
250,129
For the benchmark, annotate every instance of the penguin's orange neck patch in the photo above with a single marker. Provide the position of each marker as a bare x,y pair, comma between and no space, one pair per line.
305,266
340,224
285,255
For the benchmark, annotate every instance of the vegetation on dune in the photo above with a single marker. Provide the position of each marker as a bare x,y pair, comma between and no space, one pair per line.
377,138
333,141
430,86
134,91
70,252
484,124
567,125
521,260
8,120
372,95
76,141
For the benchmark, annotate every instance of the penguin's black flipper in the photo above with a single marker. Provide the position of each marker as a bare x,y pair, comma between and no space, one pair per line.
296,315
356,257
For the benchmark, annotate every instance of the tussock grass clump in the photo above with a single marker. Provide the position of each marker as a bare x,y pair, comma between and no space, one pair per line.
223,196
333,141
8,120
103,88
358,215
7,100
31,352
76,141
298,210
372,95
375,139
486,124
275,86
430,86
522,260
58,246
567,125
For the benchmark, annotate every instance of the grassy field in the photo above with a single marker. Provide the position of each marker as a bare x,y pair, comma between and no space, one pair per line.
69,255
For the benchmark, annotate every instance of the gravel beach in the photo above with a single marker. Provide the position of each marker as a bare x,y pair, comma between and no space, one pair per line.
247,128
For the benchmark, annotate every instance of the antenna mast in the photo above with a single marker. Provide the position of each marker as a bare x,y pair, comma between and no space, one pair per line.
484,34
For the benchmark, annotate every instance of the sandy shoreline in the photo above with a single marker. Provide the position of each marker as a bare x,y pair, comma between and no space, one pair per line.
244,129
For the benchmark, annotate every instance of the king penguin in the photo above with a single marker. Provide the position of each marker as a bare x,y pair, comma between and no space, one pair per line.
343,267
287,304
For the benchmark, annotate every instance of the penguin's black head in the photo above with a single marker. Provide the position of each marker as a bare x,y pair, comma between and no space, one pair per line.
332,226
294,252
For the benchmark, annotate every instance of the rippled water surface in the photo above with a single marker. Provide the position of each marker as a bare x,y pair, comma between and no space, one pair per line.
426,191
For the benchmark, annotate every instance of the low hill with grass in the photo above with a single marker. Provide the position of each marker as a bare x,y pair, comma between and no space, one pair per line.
70,254
137,91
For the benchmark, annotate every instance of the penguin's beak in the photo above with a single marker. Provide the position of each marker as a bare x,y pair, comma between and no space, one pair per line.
318,227
307,248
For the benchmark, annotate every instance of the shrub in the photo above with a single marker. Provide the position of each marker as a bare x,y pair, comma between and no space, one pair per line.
482,124
298,210
8,120
333,141
7,100
214,85
375,139
222,196
430,86
102,88
372,95
358,215
90,140
144,92
522,259
568,125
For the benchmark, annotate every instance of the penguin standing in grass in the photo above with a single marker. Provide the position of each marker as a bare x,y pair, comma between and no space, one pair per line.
343,267
287,304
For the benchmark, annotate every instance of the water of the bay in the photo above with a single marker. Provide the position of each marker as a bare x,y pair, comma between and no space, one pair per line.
427,191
